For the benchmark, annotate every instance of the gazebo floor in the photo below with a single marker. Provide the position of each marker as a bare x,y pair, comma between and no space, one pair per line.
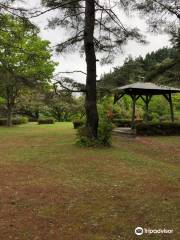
124,131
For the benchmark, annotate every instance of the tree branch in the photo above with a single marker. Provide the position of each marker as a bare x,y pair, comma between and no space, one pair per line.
77,38
169,8
113,16
60,5
72,90
76,71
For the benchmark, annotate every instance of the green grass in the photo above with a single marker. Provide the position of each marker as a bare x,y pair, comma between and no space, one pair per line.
57,190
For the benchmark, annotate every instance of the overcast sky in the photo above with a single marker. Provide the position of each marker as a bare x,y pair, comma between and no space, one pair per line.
70,62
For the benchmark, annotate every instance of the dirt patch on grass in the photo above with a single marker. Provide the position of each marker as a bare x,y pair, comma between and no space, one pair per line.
149,147
158,145
34,206
24,193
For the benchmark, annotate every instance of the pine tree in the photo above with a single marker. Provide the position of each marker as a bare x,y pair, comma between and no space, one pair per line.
94,27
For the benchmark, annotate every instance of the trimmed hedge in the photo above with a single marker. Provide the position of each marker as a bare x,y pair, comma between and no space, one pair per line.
46,121
3,122
32,119
15,121
124,122
78,123
164,129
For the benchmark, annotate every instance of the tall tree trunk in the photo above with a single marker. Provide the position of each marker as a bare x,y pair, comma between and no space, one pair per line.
90,102
37,115
58,114
9,115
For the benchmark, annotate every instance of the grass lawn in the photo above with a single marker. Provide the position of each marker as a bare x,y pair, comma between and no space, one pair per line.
51,189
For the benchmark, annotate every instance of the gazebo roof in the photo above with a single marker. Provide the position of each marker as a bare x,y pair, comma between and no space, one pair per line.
141,87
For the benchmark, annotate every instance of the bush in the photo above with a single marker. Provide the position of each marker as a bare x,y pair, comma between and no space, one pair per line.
19,120
84,137
158,129
15,121
46,121
124,122
105,111
31,119
78,123
104,132
3,122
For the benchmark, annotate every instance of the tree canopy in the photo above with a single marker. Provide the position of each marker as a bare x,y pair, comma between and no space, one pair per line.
25,59
161,66
161,15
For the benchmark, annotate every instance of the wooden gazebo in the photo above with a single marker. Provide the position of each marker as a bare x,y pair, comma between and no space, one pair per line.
145,91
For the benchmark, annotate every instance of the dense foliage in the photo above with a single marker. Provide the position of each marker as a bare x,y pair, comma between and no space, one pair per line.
15,121
105,110
161,66
25,60
158,129
46,121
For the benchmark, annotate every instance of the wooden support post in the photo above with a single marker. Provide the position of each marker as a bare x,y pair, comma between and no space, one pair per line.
133,123
117,97
146,101
169,99
146,109
171,107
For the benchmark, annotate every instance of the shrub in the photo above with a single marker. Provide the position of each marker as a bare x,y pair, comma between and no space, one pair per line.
78,123
84,137
46,121
31,119
15,121
105,110
124,122
3,122
104,132
19,120
158,129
